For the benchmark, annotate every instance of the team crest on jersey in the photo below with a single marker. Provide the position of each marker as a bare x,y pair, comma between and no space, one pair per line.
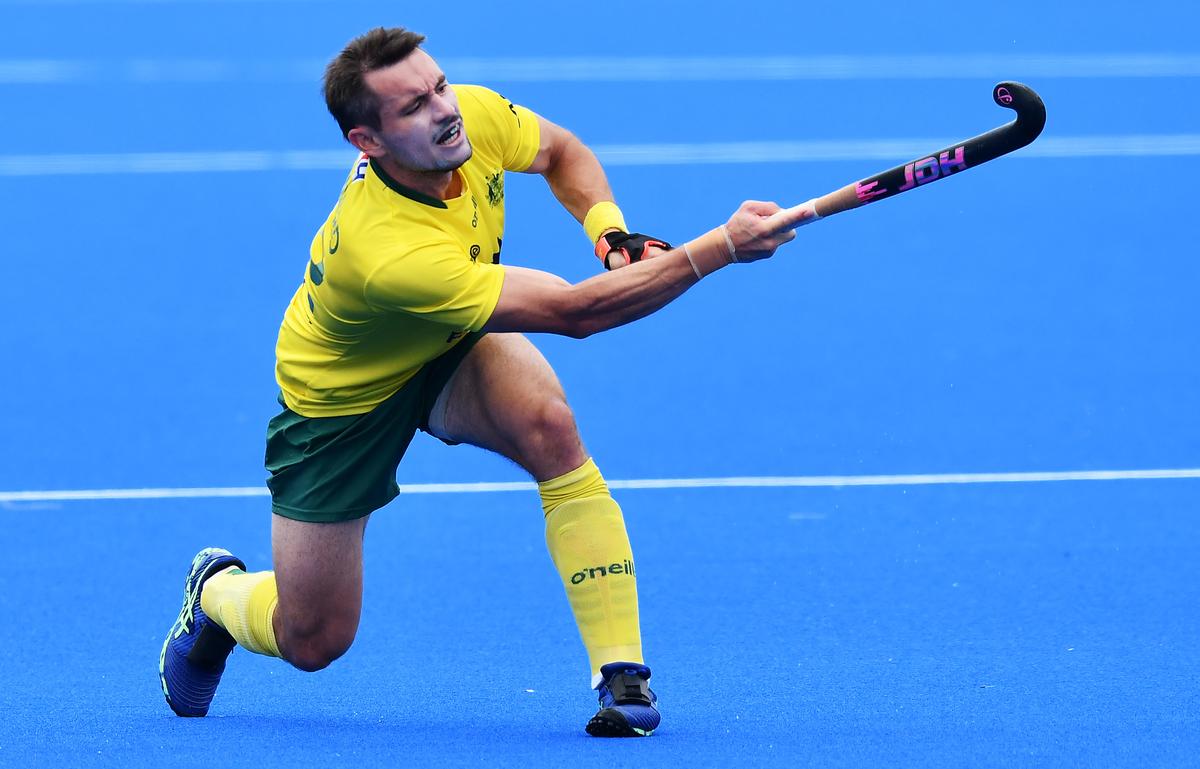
495,188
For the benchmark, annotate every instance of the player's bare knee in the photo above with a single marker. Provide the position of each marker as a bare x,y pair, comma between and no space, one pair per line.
550,432
557,421
313,654
316,647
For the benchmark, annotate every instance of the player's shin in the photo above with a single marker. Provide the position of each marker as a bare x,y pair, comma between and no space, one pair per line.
244,604
585,533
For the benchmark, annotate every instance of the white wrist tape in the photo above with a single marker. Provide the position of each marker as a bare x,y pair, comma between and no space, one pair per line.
729,242
811,207
692,262
709,252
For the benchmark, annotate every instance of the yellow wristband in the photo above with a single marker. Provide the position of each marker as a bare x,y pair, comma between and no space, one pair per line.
603,216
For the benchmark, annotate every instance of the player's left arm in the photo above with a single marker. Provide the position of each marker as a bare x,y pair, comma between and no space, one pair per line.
579,183
571,169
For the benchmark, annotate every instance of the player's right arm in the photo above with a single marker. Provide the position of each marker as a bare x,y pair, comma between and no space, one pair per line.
534,301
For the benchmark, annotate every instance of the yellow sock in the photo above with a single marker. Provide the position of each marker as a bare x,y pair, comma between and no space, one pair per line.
585,533
244,604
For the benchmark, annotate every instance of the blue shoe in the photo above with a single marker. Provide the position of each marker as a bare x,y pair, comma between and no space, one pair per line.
193,656
627,706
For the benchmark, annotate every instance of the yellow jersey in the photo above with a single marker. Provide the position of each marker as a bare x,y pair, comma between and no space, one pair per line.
395,278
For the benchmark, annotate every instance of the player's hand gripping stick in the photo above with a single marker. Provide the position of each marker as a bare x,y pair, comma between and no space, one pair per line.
1031,118
754,231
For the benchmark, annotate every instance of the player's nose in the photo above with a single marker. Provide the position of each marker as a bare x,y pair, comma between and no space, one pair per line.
445,106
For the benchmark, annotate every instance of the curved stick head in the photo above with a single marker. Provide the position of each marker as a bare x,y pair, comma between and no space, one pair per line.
1031,112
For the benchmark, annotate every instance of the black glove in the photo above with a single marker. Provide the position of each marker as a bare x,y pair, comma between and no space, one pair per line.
632,246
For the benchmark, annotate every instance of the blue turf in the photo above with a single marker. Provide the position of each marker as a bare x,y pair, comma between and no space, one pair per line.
1035,314
850,628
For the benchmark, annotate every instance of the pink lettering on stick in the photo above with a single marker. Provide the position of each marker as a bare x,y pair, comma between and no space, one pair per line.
867,192
949,165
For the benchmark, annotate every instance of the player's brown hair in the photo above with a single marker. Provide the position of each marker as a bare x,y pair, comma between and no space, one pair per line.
347,96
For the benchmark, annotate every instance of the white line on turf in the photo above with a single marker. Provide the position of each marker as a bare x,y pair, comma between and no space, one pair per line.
797,481
150,2
893,150
628,69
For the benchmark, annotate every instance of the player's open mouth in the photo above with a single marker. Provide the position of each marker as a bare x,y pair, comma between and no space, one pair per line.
451,134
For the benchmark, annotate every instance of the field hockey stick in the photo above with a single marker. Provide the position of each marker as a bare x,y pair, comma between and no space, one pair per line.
1031,118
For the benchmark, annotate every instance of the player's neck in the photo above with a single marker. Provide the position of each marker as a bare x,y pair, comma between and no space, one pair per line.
441,185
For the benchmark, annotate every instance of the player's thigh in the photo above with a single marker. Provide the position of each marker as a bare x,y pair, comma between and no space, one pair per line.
319,575
505,397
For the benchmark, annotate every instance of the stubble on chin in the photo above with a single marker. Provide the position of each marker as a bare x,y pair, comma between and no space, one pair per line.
456,164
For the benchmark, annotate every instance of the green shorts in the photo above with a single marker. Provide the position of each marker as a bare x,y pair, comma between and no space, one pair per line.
326,469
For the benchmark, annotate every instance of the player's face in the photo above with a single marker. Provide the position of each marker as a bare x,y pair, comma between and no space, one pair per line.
420,125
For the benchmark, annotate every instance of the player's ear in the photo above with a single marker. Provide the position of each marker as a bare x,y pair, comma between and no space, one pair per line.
365,140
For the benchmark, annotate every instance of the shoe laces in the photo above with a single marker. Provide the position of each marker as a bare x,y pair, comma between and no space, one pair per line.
626,686
187,615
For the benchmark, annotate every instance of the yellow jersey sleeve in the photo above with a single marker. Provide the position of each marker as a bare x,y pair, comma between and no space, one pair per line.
510,131
434,281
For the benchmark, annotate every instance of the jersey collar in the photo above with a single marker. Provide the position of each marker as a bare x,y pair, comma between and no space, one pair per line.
407,192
